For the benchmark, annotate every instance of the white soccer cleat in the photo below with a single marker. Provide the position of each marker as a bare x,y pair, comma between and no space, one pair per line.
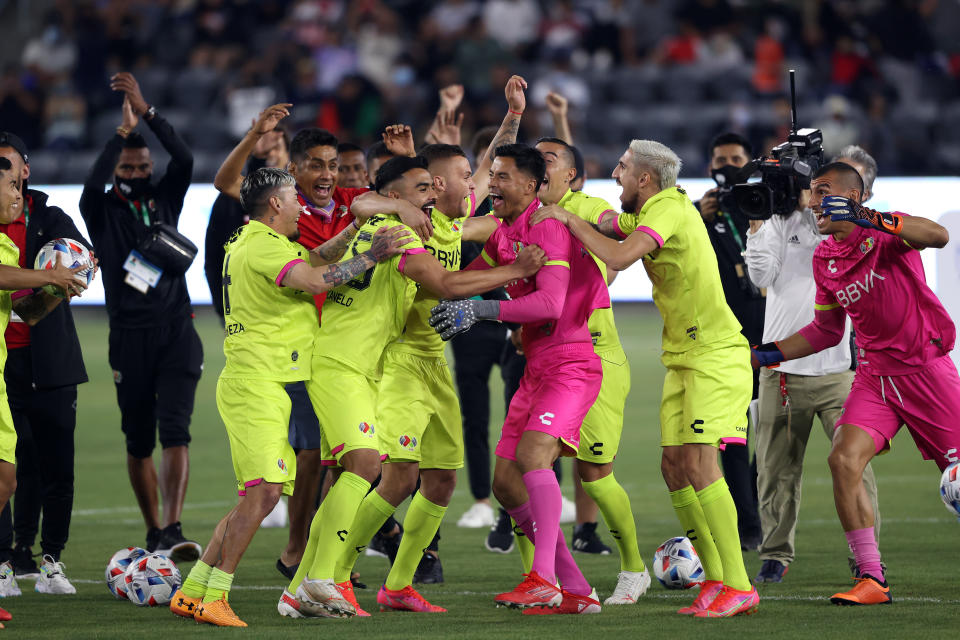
276,519
630,586
52,580
322,598
289,606
479,516
568,510
8,582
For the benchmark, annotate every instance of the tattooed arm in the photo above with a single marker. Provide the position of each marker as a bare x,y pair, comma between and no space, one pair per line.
387,242
507,134
34,307
334,248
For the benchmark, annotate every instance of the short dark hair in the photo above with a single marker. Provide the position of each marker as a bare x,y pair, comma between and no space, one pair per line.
527,159
394,168
578,162
571,158
378,150
134,141
436,152
850,175
308,139
348,147
482,140
259,186
731,138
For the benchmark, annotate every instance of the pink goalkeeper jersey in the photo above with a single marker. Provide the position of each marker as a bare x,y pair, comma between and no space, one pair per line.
878,280
575,292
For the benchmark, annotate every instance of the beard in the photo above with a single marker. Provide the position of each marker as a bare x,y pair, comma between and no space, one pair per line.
293,237
630,205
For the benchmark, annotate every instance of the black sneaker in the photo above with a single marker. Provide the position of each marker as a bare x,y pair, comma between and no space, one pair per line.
175,546
385,545
771,571
24,566
287,572
153,539
429,571
355,581
586,540
500,538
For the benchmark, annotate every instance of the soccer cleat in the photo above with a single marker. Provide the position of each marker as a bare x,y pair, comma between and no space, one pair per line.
708,591
184,605
500,538
218,613
322,598
731,602
5,616
285,571
346,588
568,510
406,599
630,586
153,539
534,591
586,540
8,582
52,579
571,604
868,590
429,571
173,545
771,571
24,566
478,516
289,606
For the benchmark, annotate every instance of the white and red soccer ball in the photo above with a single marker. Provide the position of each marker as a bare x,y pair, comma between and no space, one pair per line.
677,565
69,252
950,488
117,567
151,580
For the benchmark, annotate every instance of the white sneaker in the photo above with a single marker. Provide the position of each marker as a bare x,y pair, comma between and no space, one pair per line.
8,582
630,586
323,598
479,516
289,606
568,510
51,578
276,519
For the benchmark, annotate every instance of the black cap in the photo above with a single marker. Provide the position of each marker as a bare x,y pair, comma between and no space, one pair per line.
8,139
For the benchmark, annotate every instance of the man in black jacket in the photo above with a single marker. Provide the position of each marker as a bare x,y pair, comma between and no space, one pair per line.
43,399
155,352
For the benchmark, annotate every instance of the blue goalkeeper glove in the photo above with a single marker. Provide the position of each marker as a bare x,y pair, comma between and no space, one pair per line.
452,317
842,209
767,354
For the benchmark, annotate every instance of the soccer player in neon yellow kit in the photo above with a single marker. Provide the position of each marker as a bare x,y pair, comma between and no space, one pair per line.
360,318
603,425
709,381
270,323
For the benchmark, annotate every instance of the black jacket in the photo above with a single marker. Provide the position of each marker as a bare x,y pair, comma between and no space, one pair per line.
53,339
115,230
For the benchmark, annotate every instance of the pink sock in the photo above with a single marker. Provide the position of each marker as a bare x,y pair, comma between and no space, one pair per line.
544,503
524,519
571,578
864,546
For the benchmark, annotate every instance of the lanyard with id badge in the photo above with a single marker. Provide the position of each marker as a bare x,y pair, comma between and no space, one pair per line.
141,273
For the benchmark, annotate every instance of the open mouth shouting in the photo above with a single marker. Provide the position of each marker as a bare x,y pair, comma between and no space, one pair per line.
322,191
429,205
496,200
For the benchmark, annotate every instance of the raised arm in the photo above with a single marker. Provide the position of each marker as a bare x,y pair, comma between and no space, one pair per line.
230,175
92,198
917,232
506,134
557,105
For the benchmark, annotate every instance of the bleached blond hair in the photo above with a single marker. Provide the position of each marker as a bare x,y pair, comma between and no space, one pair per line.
657,158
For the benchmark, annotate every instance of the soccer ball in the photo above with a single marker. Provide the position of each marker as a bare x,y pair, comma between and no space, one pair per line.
151,580
950,488
69,252
117,567
676,564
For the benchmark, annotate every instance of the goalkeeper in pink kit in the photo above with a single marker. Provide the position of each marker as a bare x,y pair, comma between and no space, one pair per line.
561,381
870,269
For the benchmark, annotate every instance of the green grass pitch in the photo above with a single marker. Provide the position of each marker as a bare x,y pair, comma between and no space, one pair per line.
918,538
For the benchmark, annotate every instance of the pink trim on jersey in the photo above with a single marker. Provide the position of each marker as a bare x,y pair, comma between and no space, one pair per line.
616,222
473,203
408,252
328,463
16,295
653,234
286,268
247,485
725,441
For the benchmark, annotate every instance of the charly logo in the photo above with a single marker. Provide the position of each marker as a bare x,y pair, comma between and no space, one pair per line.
455,225
367,429
517,247
866,245
282,465
408,442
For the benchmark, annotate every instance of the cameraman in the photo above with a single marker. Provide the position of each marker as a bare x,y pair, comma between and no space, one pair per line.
729,152
780,258
155,352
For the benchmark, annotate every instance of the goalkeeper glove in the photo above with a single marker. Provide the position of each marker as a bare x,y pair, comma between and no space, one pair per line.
842,209
767,354
452,317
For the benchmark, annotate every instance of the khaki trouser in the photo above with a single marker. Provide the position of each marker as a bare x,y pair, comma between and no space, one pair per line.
780,451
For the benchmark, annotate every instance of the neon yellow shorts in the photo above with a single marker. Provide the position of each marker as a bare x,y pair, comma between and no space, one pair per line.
706,393
257,416
419,411
345,402
603,425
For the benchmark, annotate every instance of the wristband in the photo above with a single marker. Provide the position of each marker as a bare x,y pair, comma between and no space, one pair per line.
122,131
355,225
516,113
150,112
767,354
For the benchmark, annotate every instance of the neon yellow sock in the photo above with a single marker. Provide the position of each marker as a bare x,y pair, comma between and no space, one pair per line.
694,522
309,553
615,506
196,583
218,586
339,510
371,515
524,546
419,526
721,516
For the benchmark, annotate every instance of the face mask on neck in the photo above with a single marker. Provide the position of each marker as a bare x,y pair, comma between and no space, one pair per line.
131,188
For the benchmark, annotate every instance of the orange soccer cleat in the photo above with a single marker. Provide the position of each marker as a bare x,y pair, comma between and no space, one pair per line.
868,590
218,613
184,605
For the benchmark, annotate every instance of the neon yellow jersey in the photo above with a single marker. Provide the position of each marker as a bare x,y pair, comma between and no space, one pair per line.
269,328
362,316
603,329
418,336
684,272
9,256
